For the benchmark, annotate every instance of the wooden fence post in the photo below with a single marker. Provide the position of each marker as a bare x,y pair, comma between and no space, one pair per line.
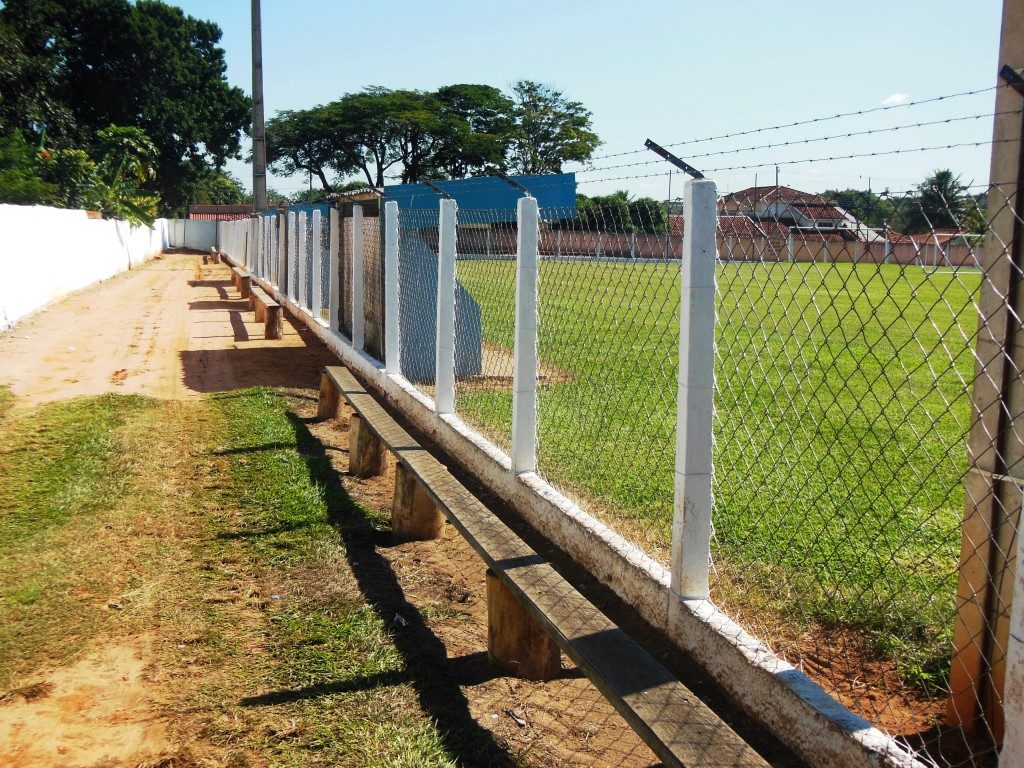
691,524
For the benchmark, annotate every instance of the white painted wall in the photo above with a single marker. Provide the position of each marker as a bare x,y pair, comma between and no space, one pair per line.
198,234
46,253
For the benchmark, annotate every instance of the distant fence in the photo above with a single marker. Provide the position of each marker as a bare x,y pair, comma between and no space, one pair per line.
46,253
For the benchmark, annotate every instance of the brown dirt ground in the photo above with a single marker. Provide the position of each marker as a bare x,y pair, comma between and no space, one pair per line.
193,336
96,712
176,329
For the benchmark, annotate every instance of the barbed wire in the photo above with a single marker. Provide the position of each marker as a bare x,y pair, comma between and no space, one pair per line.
797,142
770,163
810,121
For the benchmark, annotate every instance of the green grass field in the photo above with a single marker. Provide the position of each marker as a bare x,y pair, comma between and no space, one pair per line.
842,408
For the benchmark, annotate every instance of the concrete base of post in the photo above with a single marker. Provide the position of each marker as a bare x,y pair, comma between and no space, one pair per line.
515,640
414,516
367,456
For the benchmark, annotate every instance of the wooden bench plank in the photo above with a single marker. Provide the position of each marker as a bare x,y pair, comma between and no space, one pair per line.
673,721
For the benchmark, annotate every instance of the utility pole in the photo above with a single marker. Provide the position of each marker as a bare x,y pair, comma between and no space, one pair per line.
259,140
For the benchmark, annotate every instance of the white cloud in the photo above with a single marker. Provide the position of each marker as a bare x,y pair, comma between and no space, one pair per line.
896,98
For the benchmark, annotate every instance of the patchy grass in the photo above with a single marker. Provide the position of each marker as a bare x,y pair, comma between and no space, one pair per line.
328,687
841,413
70,496
207,528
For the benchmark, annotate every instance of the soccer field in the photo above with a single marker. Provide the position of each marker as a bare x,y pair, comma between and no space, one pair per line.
842,408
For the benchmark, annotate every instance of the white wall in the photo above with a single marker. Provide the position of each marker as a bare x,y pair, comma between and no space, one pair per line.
46,253
197,234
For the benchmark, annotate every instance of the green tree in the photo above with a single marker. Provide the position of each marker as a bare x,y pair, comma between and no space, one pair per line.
144,64
483,135
19,181
870,209
941,202
219,188
314,141
550,130
73,175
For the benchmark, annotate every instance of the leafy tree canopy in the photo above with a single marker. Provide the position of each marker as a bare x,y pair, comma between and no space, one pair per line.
550,130
88,64
453,132
19,181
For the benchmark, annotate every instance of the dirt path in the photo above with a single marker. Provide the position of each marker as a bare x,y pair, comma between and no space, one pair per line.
175,330
172,329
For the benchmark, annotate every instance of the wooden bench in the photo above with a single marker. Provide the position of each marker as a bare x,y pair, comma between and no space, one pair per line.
532,611
242,280
267,311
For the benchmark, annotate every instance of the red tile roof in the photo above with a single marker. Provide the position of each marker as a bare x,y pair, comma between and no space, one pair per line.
768,194
819,211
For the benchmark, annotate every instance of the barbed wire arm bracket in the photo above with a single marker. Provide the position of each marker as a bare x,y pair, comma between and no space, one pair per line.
437,189
511,182
677,162
1012,78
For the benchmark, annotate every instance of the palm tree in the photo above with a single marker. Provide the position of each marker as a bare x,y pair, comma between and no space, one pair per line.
941,203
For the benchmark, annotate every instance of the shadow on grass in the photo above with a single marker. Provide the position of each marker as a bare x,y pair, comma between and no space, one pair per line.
434,676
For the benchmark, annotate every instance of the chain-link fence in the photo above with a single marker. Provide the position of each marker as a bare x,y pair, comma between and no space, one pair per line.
846,358
417,297
485,320
373,284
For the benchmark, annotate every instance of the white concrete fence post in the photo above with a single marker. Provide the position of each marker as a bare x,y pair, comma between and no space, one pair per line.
524,371
334,259
302,245
444,368
691,524
358,279
392,337
790,253
282,250
293,250
318,270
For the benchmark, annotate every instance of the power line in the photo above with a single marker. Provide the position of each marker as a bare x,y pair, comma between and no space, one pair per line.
812,120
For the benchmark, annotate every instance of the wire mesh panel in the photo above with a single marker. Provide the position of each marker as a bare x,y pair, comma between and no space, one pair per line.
310,249
293,255
485,303
608,344
324,254
345,251
417,287
373,286
846,358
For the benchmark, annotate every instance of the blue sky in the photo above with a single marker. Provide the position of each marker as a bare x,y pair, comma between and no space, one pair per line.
672,71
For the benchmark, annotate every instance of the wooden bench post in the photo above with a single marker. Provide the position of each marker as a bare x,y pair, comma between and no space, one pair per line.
273,322
327,403
515,640
245,285
414,515
366,454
